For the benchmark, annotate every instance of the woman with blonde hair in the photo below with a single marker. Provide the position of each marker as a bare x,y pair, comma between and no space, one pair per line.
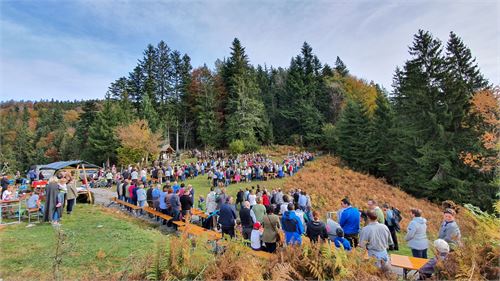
52,203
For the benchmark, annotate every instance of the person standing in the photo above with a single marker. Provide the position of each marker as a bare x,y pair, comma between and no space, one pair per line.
271,224
71,195
349,221
239,198
227,217
265,199
376,238
292,225
416,234
211,204
246,219
259,210
449,231
316,229
141,197
186,204
51,201
372,205
392,224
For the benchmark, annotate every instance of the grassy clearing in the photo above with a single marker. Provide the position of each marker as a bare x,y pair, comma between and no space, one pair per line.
202,185
99,243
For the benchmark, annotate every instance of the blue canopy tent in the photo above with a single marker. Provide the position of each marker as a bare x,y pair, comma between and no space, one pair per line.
81,167
73,164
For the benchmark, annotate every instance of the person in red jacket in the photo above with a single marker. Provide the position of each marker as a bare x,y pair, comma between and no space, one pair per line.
265,199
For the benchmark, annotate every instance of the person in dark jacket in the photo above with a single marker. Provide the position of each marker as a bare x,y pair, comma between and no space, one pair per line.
316,229
52,205
239,198
349,221
247,220
227,217
186,203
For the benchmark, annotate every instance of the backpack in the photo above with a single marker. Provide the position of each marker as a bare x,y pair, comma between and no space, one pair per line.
289,224
396,218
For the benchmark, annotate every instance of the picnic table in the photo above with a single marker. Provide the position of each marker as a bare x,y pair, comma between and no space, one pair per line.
4,204
407,263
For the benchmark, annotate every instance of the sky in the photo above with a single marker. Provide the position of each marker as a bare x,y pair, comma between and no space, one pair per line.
67,50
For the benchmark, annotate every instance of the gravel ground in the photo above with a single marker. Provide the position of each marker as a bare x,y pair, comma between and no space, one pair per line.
103,195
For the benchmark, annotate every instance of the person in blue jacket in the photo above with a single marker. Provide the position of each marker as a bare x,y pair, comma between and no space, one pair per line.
292,225
349,221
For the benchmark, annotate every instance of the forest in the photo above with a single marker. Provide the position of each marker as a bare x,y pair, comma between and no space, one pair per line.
435,134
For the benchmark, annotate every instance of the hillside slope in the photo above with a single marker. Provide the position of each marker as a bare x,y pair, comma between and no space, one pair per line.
327,182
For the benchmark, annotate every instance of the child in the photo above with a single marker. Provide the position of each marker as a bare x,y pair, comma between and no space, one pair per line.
340,240
255,237
8,194
34,202
141,197
201,203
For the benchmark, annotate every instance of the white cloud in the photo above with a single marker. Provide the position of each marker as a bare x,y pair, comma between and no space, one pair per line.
371,38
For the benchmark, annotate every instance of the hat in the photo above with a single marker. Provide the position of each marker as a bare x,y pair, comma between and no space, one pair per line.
256,226
450,211
442,246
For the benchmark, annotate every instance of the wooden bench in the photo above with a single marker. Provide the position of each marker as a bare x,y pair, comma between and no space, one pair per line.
407,263
163,216
261,254
126,204
199,213
200,231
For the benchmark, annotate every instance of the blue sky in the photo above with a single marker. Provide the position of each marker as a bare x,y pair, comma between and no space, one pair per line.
74,49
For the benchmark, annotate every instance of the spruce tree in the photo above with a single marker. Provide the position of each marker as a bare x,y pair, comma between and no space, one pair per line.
102,138
352,131
245,114
380,137
341,68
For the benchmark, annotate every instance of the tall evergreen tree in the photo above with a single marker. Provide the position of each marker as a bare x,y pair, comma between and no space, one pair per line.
353,131
341,68
244,109
102,138
87,119
380,137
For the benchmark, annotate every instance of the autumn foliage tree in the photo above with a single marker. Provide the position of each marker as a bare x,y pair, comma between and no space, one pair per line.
138,143
486,114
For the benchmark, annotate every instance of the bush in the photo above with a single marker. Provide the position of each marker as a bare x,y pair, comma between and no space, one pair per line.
251,146
237,147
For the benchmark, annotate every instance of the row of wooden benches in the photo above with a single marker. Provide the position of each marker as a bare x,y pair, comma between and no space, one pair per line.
189,228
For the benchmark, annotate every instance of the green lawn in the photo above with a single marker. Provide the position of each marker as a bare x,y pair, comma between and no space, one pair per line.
202,186
98,242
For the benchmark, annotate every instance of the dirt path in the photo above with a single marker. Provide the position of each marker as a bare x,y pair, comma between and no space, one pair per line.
103,195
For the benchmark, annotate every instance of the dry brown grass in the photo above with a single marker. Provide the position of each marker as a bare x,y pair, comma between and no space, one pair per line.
328,182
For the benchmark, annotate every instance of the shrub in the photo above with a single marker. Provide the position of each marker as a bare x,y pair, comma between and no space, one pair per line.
251,146
237,147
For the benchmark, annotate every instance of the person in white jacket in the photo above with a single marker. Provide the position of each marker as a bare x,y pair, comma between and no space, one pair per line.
416,234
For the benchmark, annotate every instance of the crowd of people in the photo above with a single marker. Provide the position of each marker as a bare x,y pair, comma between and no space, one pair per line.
263,215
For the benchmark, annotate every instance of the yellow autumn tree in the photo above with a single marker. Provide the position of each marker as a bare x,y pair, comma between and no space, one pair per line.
361,91
137,143
485,106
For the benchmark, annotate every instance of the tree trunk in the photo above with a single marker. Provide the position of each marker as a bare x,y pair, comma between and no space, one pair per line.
177,137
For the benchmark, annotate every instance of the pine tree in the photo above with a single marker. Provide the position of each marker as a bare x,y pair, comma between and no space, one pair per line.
380,137
102,138
87,118
23,146
341,68
149,113
202,90
245,115
353,130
